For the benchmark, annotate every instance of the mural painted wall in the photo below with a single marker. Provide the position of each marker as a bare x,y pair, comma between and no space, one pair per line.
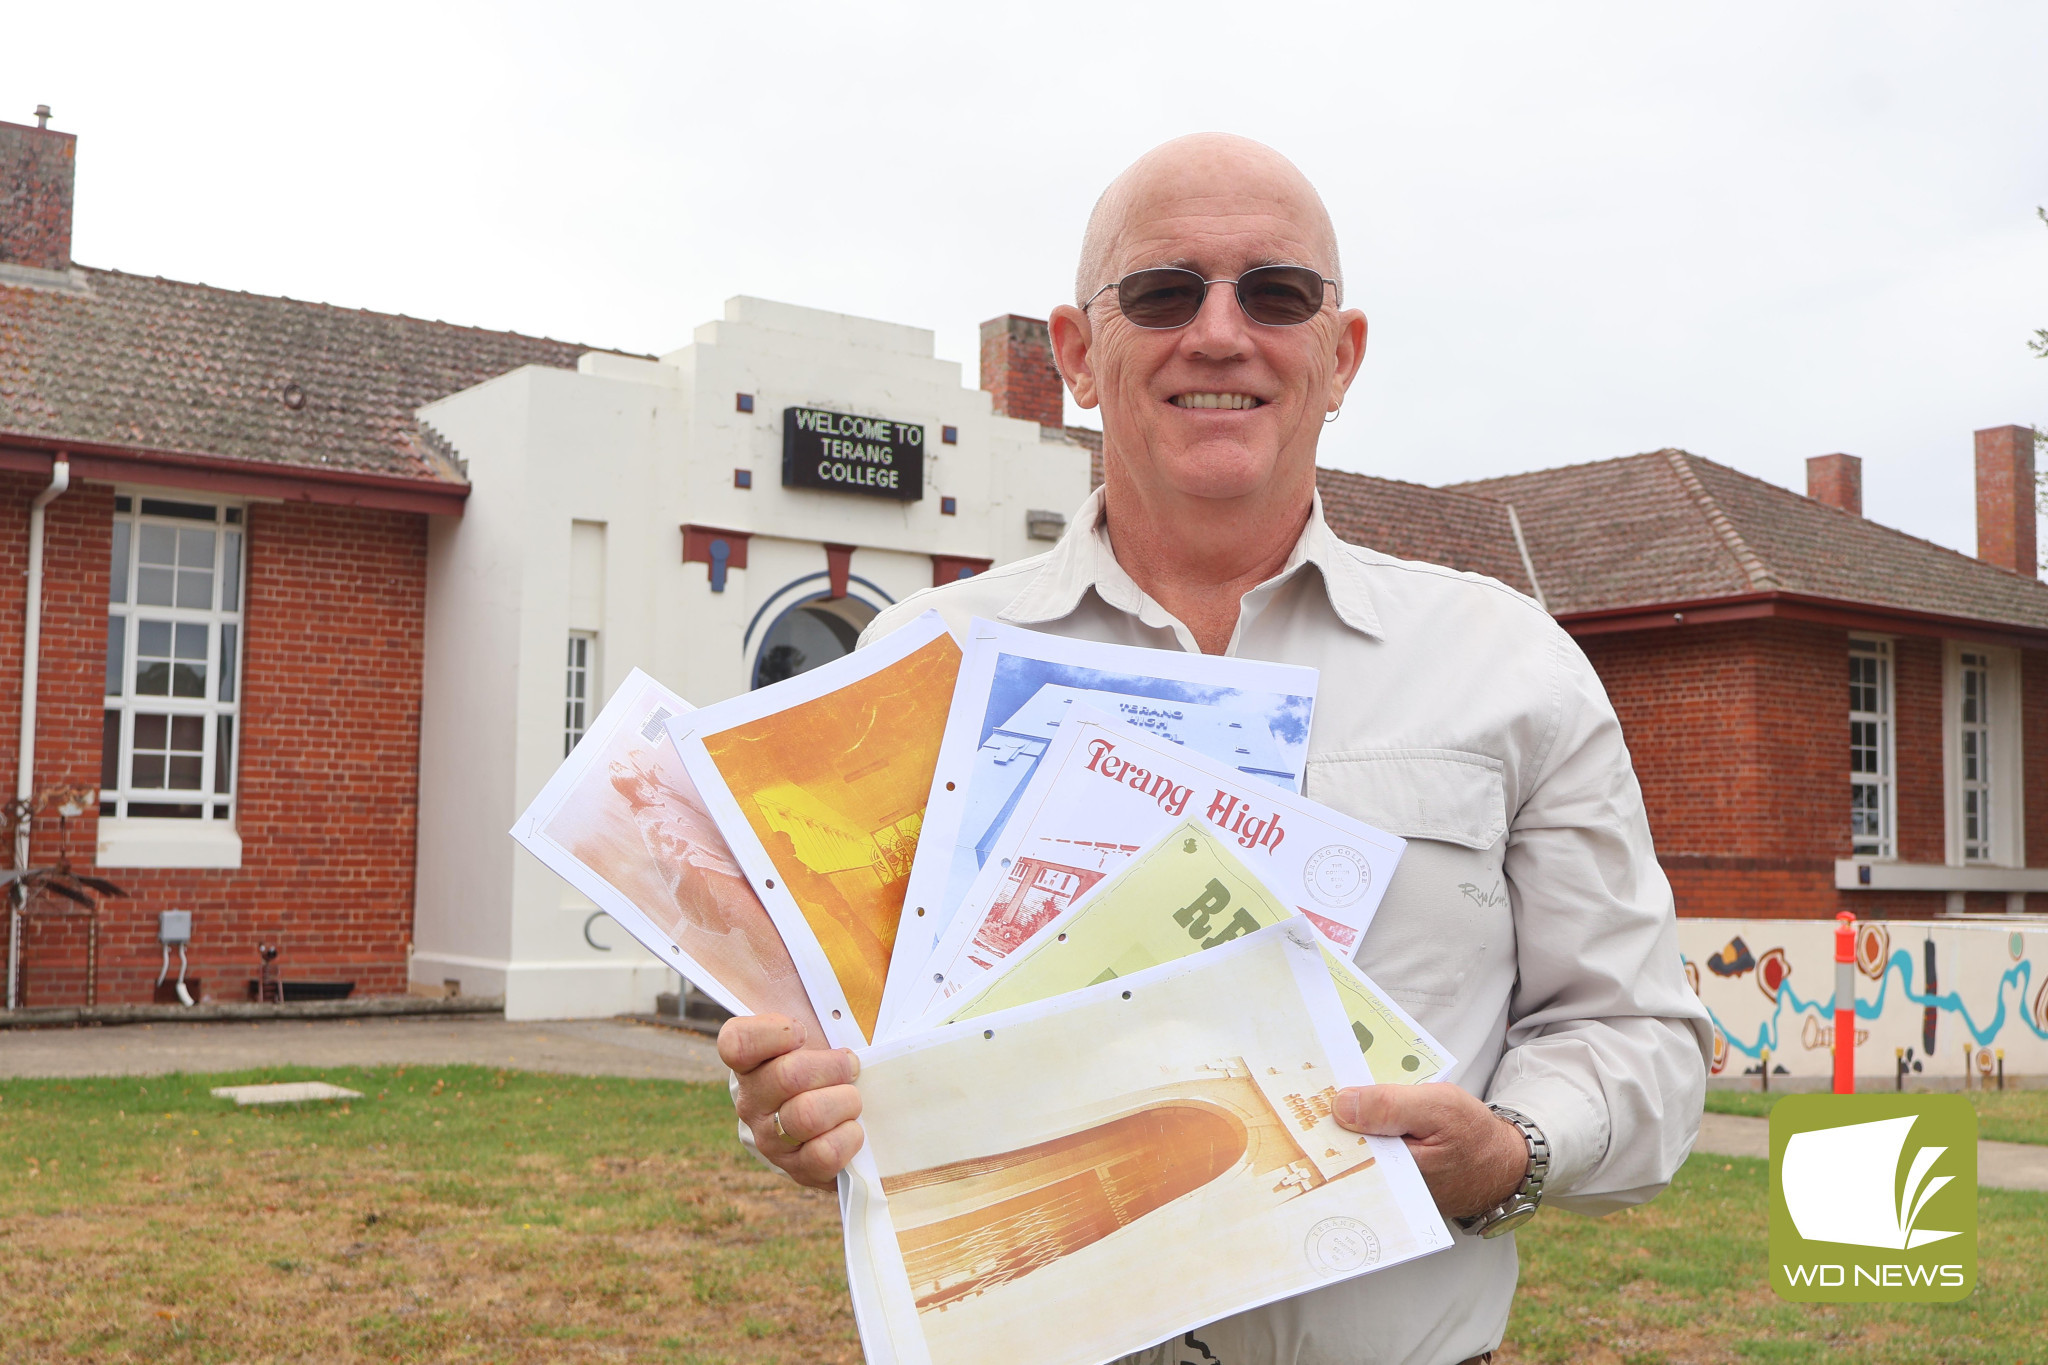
1950,995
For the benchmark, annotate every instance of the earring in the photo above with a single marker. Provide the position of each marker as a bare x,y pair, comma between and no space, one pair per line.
1330,417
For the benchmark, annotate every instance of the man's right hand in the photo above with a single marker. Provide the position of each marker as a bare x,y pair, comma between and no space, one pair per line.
811,1089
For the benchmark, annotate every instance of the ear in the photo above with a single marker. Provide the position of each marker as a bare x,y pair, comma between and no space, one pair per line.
1073,339
1350,355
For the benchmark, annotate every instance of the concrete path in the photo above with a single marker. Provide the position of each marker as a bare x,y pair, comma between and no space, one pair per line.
586,1047
2007,1165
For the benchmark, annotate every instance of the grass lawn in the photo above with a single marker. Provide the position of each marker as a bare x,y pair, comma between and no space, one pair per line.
460,1213
455,1214
1682,1278
2002,1115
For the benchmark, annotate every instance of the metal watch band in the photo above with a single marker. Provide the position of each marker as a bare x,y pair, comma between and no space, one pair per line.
1520,1206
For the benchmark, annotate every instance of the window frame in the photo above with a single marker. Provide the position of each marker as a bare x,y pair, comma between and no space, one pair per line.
1884,846
2002,841
123,803
578,711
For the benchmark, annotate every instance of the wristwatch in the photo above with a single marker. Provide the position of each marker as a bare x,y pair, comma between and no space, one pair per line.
1520,1206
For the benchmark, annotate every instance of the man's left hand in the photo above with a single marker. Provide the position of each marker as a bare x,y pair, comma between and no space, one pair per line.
1471,1157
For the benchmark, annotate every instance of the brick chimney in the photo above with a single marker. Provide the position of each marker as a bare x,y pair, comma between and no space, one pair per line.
2005,499
1017,367
35,194
1836,480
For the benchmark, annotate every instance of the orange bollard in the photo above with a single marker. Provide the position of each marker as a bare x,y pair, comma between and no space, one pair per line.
1845,1003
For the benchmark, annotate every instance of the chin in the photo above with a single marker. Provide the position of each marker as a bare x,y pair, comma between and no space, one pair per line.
1220,470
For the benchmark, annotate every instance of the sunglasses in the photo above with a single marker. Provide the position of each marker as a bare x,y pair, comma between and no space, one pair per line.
1169,297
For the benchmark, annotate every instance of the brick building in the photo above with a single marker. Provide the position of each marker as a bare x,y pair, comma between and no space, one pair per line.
307,575
232,571
1725,616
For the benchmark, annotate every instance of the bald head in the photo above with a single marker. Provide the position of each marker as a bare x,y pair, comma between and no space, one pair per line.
1211,422
1203,178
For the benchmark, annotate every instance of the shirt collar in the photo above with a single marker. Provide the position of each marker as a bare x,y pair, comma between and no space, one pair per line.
1084,559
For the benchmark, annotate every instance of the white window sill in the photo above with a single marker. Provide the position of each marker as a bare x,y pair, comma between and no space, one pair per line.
1888,876
168,843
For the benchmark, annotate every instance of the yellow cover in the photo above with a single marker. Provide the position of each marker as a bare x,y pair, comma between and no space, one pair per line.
834,789
1186,893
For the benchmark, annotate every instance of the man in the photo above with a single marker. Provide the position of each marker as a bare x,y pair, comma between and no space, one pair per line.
1529,926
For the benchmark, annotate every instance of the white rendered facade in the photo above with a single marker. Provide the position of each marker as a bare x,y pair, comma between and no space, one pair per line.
581,485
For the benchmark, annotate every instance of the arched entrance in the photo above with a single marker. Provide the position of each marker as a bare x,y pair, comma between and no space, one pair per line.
812,632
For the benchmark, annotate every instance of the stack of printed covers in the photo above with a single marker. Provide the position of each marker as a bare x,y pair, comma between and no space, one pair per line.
1092,946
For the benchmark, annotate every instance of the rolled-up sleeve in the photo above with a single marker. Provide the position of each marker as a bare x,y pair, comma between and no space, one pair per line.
1607,1046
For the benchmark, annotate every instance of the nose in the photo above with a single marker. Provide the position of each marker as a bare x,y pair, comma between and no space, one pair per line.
1220,329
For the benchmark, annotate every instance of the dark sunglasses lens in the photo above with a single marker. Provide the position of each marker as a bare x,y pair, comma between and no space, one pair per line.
1160,298
1281,295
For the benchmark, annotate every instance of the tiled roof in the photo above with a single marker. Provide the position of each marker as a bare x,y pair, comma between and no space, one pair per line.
1406,520
1412,521
132,361
1672,527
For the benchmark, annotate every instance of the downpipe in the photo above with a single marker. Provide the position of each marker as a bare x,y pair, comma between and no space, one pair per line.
31,669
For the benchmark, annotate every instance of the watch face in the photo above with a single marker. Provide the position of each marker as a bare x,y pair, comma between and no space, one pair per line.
1511,1221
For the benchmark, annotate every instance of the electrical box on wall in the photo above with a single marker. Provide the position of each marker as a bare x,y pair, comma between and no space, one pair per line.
174,930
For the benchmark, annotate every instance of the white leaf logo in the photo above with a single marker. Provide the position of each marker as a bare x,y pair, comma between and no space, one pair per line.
1842,1185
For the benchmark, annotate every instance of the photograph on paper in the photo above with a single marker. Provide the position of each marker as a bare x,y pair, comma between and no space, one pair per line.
819,784
1016,684
623,823
1179,1164
1105,791
1185,893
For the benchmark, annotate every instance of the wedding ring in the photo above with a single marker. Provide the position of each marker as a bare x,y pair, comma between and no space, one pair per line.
784,1133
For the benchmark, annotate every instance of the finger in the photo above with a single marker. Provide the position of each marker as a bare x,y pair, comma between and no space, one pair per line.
775,1082
1414,1111
823,1157
747,1040
815,1112
1385,1110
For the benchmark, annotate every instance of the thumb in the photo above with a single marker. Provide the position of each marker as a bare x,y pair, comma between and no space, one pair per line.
1383,1110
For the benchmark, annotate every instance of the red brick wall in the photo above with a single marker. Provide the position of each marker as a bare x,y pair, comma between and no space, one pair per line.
327,775
74,642
2005,499
16,492
1836,480
1740,737
37,167
1017,367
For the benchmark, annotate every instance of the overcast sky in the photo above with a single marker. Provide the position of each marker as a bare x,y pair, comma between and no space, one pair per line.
1756,231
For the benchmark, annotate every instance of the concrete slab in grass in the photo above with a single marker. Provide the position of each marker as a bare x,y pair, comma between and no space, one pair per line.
286,1092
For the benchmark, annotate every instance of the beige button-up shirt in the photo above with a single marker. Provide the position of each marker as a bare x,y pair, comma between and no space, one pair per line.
1528,926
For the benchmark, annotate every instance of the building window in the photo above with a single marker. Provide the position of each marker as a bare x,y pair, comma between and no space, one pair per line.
576,706
1870,748
1973,749
174,624
1982,751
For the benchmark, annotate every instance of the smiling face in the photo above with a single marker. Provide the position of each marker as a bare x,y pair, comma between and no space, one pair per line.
1223,408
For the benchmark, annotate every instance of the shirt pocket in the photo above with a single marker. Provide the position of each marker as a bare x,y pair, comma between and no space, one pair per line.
1444,933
